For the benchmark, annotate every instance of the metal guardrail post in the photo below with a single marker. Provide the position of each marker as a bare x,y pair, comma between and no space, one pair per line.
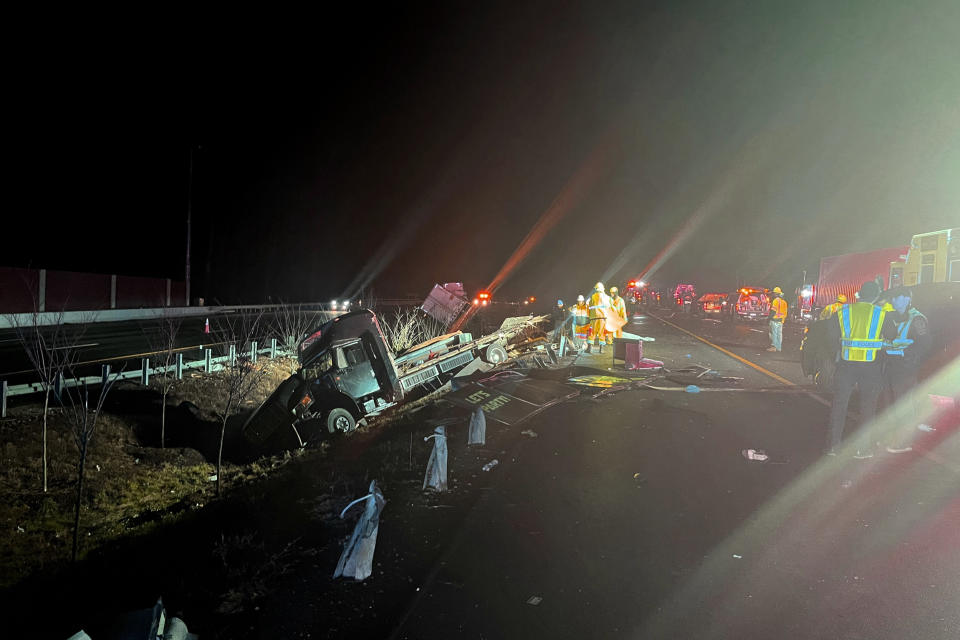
145,371
206,361
179,366
3,398
273,347
58,388
233,355
253,352
104,374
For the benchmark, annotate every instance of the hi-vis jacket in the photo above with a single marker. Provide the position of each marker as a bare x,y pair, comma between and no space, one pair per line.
903,330
581,314
861,324
830,309
598,305
779,308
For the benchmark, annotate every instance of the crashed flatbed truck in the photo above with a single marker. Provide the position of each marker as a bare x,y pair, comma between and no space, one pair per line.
348,373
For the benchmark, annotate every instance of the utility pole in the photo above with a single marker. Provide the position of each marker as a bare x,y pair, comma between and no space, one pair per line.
189,216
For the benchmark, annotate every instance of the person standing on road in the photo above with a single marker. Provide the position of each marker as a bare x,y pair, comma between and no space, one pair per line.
859,333
832,308
902,359
619,308
581,322
778,314
599,307
559,320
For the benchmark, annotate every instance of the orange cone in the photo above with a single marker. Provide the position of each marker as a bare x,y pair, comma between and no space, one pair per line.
206,326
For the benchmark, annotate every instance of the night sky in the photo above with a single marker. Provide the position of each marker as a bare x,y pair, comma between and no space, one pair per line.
398,147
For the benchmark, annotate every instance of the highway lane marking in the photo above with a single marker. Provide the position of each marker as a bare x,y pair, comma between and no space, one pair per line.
762,370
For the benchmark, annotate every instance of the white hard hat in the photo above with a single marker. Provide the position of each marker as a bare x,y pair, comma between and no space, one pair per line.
580,298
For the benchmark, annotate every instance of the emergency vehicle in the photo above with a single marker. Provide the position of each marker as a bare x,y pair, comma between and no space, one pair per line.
752,304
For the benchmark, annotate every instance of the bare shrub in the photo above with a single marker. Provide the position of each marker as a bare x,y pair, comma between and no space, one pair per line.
407,328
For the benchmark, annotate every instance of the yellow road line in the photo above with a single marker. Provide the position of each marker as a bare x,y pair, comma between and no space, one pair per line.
765,372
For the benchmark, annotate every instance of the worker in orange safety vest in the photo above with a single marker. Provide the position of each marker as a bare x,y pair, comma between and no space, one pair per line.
599,308
831,309
581,322
620,308
778,314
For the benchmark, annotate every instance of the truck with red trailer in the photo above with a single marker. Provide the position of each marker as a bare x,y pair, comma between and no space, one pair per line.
846,273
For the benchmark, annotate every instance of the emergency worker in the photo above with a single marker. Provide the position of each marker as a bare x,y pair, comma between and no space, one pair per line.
832,308
581,321
619,308
903,357
778,314
859,333
599,307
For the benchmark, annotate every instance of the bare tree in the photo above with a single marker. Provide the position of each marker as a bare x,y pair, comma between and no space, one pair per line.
290,323
51,346
409,328
240,376
83,420
163,343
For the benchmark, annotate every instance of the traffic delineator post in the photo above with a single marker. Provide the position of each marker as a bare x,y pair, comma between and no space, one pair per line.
206,326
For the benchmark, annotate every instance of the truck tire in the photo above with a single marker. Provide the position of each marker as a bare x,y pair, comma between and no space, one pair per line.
340,420
494,354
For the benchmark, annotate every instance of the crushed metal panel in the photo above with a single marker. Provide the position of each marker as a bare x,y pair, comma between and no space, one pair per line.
446,303
510,399
600,382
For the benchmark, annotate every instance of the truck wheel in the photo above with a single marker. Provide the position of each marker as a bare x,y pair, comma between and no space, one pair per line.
495,354
340,420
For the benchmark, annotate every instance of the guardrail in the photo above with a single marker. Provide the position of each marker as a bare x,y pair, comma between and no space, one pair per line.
93,316
208,364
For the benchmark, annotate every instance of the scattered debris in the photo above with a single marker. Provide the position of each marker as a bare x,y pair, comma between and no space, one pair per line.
356,561
212,478
601,382
689,356
692,388
491,464
737,556
529,432
534,600
925,427
758,455
477,433
436,475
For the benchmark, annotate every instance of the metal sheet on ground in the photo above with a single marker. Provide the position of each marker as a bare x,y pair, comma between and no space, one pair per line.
510,399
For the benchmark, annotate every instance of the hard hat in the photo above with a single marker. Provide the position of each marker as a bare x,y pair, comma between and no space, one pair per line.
614,290
778,290
559,303
841,298
598,286
580,298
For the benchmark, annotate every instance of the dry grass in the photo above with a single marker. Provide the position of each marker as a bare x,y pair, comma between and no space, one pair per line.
130,488
405,329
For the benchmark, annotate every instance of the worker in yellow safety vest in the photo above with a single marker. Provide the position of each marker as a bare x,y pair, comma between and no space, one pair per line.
599,308
831,309
862,329
581,322
620,308
778,314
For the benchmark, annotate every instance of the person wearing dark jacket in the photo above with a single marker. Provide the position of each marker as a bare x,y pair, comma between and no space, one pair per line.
901,361
560,319
860,331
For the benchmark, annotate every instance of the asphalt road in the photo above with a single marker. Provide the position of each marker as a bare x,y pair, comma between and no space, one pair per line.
636,516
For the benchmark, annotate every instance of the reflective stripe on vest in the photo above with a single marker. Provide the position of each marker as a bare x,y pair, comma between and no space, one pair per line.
780,308
904,329
860,325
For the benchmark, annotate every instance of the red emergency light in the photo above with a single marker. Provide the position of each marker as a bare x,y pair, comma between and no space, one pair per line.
484,295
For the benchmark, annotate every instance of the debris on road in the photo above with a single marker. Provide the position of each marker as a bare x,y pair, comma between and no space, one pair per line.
599,381
477,433
529,432
692,388
737,556
534,600
436,475
758,455
356,561
491,464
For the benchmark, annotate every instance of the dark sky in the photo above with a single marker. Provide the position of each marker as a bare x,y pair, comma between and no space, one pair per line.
398,147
